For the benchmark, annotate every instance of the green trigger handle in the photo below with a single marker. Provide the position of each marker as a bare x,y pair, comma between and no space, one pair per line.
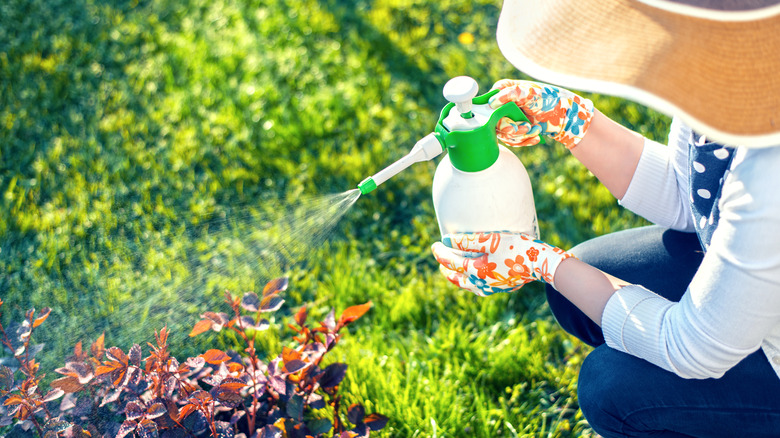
477,149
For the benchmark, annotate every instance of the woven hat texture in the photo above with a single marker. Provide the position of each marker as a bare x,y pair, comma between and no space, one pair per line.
715,64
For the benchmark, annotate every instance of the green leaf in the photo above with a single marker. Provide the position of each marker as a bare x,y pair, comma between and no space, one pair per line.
319,426
295,407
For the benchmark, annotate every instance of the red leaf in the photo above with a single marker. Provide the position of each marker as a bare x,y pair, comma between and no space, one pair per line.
245,322
67,384
77,349
42,317
215,357
135,355
107,368
289,354
186,410
66,372
13,400
355,413
79,370
54,394
201,396
218,319
375,421
120,377
162,338
294,366
201,326
271,303
278,384
330,321
353,313
237,415
156,410
333,375
274,286
231,384
270,431
111,397
98,347
116,353
147,428
234,367
229,398
127,428
250,302
134,411
300,316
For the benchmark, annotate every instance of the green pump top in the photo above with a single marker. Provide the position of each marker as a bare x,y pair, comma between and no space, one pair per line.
468,133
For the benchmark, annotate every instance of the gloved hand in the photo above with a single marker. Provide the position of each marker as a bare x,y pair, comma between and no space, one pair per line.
486,263
552,111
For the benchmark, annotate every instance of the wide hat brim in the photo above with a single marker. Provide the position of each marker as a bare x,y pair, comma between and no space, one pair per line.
721,77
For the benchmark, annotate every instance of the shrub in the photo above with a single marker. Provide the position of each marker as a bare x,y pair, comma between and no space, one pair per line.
110,392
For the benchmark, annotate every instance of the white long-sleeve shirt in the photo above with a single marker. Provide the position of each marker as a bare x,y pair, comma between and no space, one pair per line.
732,305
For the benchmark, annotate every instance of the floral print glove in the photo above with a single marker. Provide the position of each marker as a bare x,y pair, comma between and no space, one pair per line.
552,111
486,263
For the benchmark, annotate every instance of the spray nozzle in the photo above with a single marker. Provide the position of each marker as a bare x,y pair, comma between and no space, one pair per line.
367,185
427,148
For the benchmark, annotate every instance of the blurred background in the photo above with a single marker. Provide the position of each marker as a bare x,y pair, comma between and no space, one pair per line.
154,154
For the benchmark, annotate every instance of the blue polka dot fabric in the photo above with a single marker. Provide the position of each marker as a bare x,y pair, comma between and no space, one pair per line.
708,162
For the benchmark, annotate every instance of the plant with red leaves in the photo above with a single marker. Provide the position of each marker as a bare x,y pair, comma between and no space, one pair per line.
107,392
21,400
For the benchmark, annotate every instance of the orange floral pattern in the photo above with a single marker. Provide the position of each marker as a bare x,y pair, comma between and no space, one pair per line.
551,111
487,263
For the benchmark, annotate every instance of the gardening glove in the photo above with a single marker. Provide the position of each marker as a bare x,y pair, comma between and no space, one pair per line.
552,111
486,263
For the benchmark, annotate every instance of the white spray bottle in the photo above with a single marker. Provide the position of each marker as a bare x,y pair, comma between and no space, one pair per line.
480,185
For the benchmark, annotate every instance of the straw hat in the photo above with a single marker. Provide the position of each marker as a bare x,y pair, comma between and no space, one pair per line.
715,64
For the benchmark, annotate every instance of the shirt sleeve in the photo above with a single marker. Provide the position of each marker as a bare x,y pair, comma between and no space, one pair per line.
733,302
659,188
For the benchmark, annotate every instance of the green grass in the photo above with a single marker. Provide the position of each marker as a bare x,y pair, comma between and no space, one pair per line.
129,128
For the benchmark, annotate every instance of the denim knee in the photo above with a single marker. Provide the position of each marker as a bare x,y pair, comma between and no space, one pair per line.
599,393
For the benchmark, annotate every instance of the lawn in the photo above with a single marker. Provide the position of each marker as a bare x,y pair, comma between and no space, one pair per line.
156,153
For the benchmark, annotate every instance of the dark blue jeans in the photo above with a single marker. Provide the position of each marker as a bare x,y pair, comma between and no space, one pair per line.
624,396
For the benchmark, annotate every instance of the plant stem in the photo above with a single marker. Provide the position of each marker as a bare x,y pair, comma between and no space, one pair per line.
210,417
250,343
37,425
